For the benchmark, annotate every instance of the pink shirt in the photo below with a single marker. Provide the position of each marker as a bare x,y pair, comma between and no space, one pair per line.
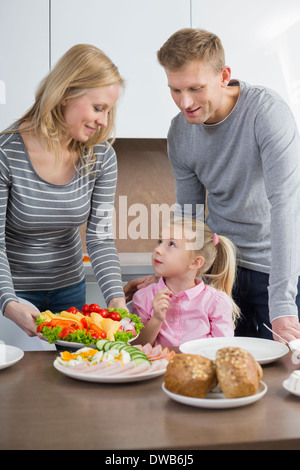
199,312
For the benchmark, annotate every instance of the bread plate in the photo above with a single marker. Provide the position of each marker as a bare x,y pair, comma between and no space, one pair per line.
264,351
216,399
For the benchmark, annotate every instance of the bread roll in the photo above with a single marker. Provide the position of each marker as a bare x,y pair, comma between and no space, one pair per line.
238,372
190,375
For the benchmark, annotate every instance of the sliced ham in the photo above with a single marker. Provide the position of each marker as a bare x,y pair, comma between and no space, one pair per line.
159,365
139,369
120,369
147,349
156,351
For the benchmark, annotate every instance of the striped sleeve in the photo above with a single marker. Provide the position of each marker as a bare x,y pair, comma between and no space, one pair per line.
7,292
99,235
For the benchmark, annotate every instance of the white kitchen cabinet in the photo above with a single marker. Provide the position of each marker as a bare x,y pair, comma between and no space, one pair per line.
130,32
261,41
24,39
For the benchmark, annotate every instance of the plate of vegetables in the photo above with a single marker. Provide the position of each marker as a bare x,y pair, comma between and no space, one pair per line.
73,328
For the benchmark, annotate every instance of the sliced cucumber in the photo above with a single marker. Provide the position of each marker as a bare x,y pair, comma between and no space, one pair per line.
122,345
136,354
139,360
107,346
114,345
101,343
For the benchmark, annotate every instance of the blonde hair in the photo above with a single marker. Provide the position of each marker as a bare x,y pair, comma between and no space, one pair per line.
219,268
81,68
191,44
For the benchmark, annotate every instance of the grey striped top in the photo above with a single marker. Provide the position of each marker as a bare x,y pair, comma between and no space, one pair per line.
40,244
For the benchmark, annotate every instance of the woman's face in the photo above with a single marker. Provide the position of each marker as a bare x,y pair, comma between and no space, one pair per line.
86,113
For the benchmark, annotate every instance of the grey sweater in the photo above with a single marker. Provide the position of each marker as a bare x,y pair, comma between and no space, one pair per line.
40,245
250,165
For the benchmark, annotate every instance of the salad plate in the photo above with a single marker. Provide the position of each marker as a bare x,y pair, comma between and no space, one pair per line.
217,400
9,355
69,372
264,351
73,329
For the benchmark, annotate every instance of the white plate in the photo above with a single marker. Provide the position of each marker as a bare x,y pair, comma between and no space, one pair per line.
9,355
217,399
264,351
107,379
289,389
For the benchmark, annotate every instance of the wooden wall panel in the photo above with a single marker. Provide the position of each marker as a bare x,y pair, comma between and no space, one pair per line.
145,179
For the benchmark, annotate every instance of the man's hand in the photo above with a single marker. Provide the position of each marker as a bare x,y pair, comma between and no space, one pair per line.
287,327
136,284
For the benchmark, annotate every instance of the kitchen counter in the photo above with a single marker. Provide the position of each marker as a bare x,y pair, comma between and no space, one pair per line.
40,408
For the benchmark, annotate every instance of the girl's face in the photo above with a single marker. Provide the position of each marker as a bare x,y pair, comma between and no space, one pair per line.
86,113
170,257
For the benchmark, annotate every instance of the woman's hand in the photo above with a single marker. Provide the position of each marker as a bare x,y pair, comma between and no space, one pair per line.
23,315
161,303
118,302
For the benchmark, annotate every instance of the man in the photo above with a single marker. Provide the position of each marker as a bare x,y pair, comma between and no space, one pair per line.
239,144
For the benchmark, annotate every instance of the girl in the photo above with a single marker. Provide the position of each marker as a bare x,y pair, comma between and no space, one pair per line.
57,171
180,307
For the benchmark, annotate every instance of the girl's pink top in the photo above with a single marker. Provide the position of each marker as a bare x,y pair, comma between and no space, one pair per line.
199,312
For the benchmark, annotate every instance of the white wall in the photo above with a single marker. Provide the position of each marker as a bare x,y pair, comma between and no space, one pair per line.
261,41
24,39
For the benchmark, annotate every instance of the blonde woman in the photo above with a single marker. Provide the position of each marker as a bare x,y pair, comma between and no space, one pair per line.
57,171
192,298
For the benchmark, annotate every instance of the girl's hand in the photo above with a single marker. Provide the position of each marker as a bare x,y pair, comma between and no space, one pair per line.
161,303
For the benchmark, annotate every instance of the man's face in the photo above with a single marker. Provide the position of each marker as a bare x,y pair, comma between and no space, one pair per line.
198,91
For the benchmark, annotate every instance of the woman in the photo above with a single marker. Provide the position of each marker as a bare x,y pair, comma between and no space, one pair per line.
58,170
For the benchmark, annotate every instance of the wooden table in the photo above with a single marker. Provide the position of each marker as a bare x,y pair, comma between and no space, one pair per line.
42,409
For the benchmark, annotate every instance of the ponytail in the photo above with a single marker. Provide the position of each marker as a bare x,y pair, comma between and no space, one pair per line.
222,273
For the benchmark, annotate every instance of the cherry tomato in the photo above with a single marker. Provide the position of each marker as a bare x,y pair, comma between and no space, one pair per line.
115,316
104,313
72,310
95,308
86,309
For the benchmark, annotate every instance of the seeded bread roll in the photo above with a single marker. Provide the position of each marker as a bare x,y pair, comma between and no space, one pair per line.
238,372
190,375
